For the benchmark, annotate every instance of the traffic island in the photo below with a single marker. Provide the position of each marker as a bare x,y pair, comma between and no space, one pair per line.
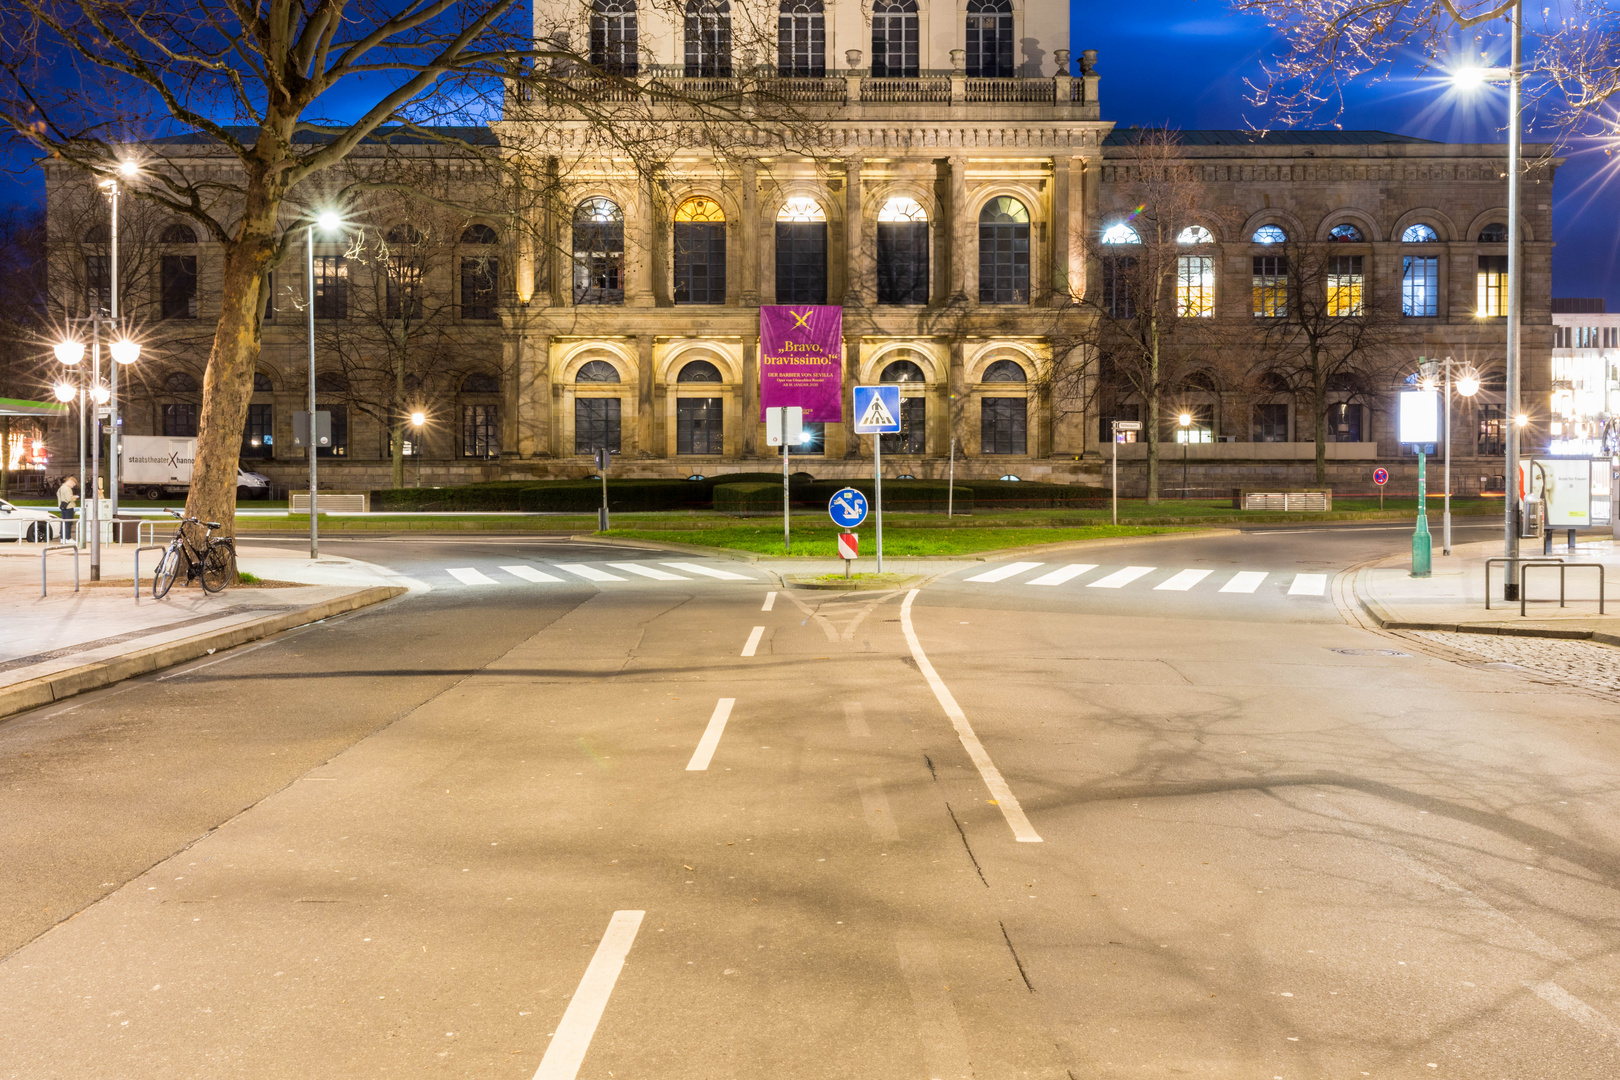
853,583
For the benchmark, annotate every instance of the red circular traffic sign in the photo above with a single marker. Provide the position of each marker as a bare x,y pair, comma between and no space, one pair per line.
1380,477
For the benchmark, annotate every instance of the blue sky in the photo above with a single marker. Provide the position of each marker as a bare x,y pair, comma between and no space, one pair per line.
1183,62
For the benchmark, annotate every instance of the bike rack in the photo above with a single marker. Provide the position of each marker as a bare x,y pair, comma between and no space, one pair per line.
43,591
1556,560
147,523
149,547
1562,566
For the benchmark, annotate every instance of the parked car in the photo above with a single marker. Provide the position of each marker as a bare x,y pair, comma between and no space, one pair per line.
25,522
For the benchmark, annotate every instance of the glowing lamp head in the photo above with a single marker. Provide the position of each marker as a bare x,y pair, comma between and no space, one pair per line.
1185,419
1468,78
101,395
128,168
1522,420
1468,383
69,352
329,221
65,391
418,419
126,351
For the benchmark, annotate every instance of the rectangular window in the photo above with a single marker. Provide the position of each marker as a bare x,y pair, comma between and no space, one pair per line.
699,425
404,292
1195,286
912,438
180,420
700,262
1345,286
1117,276
1271,422
1420,286
1201,430
1344,423
331,288
480,287
480,431
179,286
340,431
1489,442
902,262
812,439
1491,302
1105,423
258,435
801,262
596,424
1002,425
1270,286
98,282
1003,262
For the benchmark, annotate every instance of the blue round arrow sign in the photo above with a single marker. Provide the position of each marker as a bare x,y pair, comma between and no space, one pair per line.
847,508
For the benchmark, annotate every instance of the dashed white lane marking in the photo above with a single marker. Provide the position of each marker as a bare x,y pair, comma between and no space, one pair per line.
529,573
939,1029
1004,798
770,601
1308,585
647,571
753,640
1058,577
578,1025
590,573
709,571
1121,578
855,719
1576,1009
468,576
1184,580
1002,573
1245,581
875,804
711,736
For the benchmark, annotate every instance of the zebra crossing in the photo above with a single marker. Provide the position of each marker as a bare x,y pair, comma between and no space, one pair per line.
1241,582
594,573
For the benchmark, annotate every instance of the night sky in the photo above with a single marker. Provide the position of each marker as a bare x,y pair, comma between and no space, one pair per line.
1183,62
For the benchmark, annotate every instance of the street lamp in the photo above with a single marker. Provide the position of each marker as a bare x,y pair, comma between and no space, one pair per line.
329,222
1467,385
1185,419
1474,77
417,420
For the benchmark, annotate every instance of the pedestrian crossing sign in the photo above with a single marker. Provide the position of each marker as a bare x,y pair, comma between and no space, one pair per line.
877,409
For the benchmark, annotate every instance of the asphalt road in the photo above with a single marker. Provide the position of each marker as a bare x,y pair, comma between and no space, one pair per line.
1176,820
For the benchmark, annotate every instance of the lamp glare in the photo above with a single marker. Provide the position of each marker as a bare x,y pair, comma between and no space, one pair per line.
65,391
69,352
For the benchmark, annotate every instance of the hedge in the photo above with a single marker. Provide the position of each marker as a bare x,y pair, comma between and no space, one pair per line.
1033,495
901,496
501,495
578,496
759,498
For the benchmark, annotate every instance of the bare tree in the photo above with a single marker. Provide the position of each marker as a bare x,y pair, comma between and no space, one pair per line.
212,82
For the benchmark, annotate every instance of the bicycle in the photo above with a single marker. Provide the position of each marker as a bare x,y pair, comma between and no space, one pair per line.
214,562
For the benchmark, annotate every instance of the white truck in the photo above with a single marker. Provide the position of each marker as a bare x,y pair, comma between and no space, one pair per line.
156,466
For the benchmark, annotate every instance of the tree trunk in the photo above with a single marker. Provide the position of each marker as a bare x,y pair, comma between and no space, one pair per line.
396,426
1321,431
5,456
396,438
1151,430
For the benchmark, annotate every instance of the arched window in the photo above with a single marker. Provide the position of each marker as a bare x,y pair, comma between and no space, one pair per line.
598,253
989,39
1004,252
801,252
708,39
894,39
480,382
614,46
98,234
332,382
1270,234
403,288
1494,233
1346,234
1195,275
262,383
1194,234
700,252
1420,234
404,234
177,275
902,371
902,252
597,371
1005,371
699,371
178,234
480,276
801,39
180,417
179,382
1121,233
478,234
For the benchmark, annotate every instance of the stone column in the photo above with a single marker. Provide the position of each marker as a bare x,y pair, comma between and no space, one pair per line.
748,257
956,229
534,395
959,397
854,250
646,428
750,396
1061,284
852,374
639,234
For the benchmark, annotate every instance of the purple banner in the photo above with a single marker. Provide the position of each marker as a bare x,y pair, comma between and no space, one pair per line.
801,360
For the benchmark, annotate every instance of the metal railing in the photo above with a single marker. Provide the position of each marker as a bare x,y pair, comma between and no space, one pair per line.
1498,559
43,591
149,547
1524,569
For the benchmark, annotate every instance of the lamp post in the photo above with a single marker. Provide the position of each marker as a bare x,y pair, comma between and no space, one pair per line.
417,420
1467,385
1185,419
70,352
328,223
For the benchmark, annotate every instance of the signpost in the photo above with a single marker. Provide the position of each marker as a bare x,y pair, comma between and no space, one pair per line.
784,426
847,508
1120,427
848,548
1380,477
877,412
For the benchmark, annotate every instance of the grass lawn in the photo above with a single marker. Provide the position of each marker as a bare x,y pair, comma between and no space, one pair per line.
819,540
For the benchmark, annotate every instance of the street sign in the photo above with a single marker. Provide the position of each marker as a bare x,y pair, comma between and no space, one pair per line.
847,508
877,409
848,545
1127,425
784,426
1380,476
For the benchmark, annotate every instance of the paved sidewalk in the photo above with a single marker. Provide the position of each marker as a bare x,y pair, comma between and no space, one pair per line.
67,642
1453,598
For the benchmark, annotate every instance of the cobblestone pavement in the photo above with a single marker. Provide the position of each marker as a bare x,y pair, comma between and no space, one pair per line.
1578,663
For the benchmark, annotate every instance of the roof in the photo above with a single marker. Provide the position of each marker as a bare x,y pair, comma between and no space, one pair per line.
1578,305
1240,137
478,136
19,407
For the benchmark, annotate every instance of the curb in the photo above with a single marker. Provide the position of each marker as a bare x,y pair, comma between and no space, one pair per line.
65,684
1385,621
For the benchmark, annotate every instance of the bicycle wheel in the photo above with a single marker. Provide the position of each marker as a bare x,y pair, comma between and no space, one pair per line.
218,566
167,567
